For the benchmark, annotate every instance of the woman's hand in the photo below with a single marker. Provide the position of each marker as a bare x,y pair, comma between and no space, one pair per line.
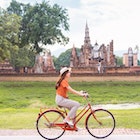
84,94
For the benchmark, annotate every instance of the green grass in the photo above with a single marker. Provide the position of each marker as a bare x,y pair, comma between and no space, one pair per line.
36,94
26,118
26,94
20,101
18,118
127,118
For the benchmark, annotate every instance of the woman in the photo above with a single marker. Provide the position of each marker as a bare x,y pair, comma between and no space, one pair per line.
62,88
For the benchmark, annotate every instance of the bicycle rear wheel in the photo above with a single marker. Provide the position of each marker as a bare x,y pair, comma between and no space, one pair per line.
45,125
100,124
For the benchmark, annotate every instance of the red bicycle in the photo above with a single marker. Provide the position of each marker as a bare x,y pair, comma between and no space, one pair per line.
100,123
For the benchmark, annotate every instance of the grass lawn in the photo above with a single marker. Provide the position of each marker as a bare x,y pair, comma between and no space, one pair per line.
20,101
26,118
127,118
36,94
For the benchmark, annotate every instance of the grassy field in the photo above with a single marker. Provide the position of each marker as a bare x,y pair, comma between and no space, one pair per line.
20,101
36,94
26,118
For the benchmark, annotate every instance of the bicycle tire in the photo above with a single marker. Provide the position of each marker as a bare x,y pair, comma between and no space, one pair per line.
103,126
44,127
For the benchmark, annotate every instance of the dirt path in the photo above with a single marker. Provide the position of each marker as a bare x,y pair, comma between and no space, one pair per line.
120,131
76,79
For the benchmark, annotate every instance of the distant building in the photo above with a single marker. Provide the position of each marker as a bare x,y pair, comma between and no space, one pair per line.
93,56
130,59
44,63
6,67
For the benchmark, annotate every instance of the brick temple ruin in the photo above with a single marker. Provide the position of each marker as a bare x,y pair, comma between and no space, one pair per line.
92,58
6,67
101,59
44,63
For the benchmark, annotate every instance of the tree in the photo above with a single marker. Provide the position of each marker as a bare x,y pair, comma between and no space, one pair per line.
138,62
119,60
15,8
42,24
9,29
24,57
64,59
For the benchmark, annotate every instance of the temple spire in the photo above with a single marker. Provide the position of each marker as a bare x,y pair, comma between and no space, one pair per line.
87,38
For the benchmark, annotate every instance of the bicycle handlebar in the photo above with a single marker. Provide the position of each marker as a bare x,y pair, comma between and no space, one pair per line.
86,94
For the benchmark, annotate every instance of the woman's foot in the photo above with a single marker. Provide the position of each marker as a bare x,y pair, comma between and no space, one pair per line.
68,122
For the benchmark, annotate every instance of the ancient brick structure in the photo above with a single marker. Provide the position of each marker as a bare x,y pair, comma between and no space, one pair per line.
92,56
6,67
44,63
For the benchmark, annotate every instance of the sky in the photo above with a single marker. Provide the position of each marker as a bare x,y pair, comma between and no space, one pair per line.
116,20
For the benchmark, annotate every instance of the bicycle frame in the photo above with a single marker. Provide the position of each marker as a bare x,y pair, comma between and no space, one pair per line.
82,113
77,118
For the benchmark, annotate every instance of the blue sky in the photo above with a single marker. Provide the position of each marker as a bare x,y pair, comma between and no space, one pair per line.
117,20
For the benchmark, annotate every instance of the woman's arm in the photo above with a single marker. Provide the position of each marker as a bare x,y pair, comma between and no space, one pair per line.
70,89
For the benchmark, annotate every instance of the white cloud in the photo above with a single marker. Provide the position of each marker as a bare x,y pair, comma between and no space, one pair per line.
4,3
108,20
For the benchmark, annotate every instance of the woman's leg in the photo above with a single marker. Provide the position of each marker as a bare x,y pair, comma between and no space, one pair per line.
70,104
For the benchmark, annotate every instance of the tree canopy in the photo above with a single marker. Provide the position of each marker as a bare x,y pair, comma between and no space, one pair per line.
64,59
25,29
42,24
9,31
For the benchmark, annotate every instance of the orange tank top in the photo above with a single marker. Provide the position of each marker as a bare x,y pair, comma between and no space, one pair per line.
62,89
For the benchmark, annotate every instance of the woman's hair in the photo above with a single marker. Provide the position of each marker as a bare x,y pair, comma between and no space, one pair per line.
61,79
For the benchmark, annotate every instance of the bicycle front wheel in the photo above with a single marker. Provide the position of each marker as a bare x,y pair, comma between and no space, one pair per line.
100,124
45,125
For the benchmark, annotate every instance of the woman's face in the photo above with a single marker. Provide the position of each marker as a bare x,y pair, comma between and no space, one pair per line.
68,74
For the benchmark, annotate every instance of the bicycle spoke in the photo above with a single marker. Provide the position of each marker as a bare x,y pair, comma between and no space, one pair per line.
101,125
46,127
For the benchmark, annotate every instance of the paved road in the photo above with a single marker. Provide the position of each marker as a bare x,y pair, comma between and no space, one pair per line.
73,137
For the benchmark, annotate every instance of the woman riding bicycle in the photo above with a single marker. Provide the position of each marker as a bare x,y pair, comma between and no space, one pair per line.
62,89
